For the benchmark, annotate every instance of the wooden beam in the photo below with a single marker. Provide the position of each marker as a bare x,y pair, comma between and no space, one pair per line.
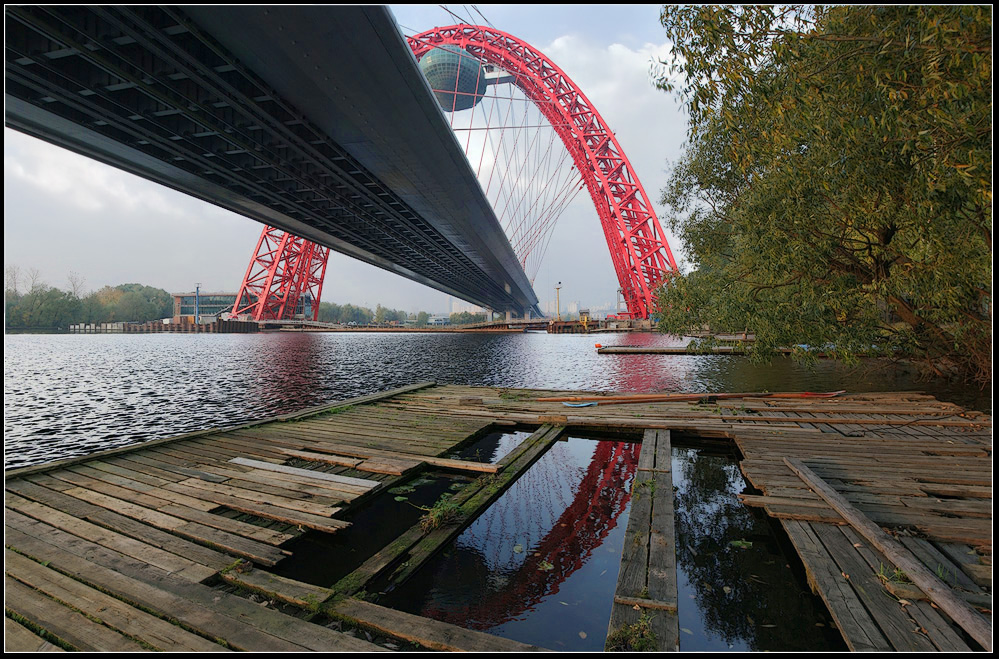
939,592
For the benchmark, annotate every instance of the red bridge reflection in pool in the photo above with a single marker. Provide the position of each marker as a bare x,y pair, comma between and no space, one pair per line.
552,522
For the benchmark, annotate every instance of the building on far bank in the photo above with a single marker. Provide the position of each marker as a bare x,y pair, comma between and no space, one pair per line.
216,305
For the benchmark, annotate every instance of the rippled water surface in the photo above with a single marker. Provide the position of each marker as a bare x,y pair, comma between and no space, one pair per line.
68,395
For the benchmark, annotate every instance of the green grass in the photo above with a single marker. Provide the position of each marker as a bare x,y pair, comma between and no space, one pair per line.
441,513
637,637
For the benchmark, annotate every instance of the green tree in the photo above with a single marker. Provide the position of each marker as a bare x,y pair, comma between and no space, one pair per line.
422,319
836,185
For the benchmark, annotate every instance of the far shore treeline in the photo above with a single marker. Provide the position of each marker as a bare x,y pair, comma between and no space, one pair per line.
31,304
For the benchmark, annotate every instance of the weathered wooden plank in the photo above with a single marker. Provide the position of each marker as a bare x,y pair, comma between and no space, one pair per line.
430,634
164,560
305,473
242,624
323,457
635,579
234,544
889,615
139,486
171,506
262,478
939,564
929,620
165,463
858,629
18,638
114,613
662,584
120,523
967,559
277,587
957,609
68,625
267,511
255,496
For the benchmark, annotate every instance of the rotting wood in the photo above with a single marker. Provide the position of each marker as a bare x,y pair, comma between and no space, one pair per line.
890,616
238,545
957,609
118,523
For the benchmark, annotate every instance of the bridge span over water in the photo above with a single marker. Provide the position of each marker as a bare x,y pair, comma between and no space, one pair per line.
319,122
315,120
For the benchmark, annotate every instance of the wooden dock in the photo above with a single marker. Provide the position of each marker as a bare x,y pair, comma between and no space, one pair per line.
154,546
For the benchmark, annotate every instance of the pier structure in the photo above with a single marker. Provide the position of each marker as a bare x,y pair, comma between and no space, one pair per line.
167,544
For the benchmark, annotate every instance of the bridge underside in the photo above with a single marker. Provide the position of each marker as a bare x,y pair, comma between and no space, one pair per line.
315,120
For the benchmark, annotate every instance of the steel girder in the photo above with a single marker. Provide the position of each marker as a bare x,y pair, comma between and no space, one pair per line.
146,89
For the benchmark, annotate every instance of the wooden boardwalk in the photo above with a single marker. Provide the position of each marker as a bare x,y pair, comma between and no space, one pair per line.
139,548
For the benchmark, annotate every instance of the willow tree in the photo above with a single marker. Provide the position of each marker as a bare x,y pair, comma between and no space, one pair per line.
836,187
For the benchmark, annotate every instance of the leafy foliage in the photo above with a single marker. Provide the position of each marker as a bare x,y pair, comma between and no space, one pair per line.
836,187
45,307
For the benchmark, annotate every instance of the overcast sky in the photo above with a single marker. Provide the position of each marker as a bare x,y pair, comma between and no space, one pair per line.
65,213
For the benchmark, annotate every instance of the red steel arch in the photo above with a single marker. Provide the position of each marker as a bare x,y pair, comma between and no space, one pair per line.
638,248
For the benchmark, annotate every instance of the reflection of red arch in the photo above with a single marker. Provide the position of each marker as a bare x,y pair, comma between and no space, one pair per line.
638,247
600,499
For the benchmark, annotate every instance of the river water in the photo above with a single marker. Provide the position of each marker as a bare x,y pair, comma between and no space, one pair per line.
70,395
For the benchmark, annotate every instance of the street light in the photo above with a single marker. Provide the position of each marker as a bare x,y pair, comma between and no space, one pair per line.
558,306
197,303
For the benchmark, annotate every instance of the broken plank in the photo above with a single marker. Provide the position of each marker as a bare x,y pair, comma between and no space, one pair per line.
306,473
301,505
957,609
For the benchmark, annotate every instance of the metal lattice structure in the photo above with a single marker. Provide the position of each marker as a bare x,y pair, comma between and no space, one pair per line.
283,270
639,251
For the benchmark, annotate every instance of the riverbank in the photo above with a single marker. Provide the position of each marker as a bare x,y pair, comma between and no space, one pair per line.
171,525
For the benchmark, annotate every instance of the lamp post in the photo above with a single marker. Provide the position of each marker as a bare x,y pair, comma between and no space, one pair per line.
197,303
558,306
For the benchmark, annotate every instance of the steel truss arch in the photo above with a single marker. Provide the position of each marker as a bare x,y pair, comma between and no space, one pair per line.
639,251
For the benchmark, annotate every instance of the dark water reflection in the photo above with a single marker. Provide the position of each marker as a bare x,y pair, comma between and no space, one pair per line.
736,588
540,564
67,395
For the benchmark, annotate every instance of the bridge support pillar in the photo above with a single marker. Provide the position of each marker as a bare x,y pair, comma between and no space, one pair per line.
509,316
